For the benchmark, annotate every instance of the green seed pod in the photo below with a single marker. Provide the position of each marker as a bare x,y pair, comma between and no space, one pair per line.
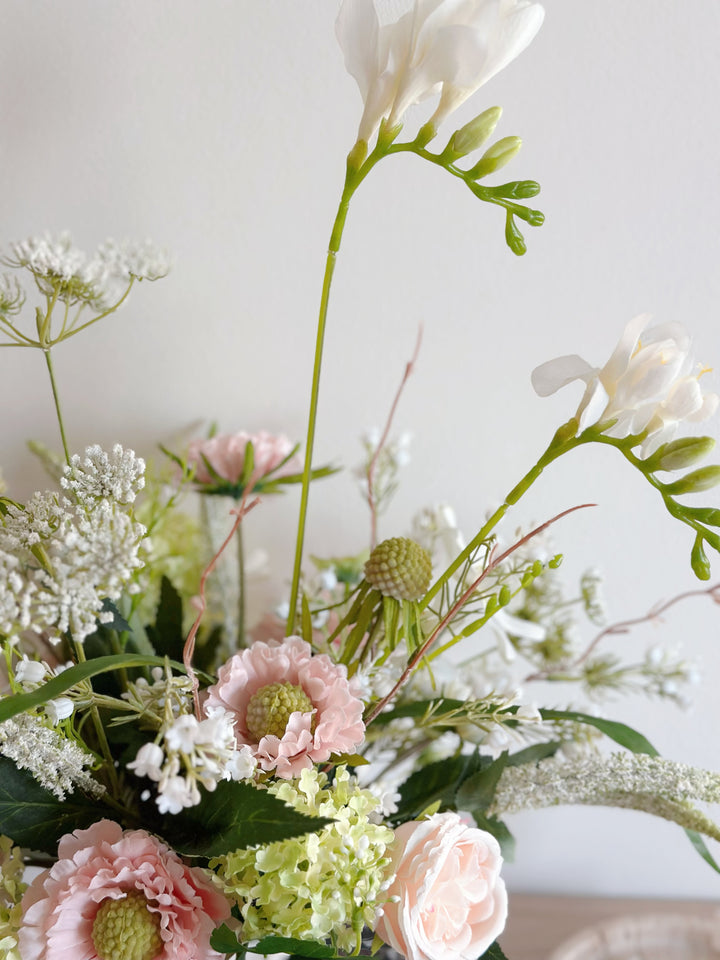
399,568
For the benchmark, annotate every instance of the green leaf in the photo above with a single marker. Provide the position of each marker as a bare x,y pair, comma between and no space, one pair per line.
34,817
619,732
697,841
224,941
166,634
118,622
248,464
19,702
535,753
235,816
500,830
493,953
435,782
476,792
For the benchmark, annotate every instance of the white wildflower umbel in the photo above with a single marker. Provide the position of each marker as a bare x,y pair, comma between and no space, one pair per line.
58,764
437,45
61,558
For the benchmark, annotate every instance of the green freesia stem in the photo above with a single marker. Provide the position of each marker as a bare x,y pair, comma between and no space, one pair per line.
354,177
560,444
100,731
56,398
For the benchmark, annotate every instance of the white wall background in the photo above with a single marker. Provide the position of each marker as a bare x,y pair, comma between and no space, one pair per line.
220,129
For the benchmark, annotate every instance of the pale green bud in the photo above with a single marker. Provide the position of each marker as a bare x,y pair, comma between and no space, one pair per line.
679,453
474,134
695,482
498,156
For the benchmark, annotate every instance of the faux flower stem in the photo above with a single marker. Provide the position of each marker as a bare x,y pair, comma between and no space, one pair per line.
241,586
100,731
56,398
353,178
560,444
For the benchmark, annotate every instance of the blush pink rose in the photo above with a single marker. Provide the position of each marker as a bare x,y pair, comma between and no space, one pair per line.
102,862
335,724
448,900
225,452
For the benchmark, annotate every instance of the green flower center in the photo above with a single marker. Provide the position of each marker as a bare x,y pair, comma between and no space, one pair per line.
126,929
270,707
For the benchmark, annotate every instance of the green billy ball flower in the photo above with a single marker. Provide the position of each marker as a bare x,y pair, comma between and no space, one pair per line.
126,929
399,568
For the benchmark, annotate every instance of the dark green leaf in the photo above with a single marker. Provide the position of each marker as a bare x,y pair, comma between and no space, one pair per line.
499,829
166,634
619,732
538,751
234,816
33,817
224,941
118,622
436,781
476,793
493,953
19,702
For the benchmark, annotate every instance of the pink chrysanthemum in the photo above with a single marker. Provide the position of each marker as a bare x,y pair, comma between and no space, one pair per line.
70,912
225,452
292,708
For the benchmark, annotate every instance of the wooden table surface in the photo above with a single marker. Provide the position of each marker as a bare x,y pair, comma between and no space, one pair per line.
538,924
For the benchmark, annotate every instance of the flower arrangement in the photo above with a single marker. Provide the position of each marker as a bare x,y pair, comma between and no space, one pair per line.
188,785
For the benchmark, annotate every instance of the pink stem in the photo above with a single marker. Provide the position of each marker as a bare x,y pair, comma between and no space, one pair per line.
239,512
372,466
493,562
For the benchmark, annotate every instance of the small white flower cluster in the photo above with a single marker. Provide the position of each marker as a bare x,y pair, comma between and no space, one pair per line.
118,475
98,280
11,295
61,558
58,764
193,752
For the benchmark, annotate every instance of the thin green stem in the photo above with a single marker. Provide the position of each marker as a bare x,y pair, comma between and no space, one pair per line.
554,450
241,587
73,329
56,398
100,732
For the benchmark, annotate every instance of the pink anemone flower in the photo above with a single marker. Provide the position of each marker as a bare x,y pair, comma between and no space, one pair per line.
292,708
170,908
225,453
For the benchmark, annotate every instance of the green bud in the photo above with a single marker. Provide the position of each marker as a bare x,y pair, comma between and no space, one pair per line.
709,515
498,156
699,560
505,595
516,190
536,218
703,479
474,134
679,454
556,561
426,133
513,237
357,155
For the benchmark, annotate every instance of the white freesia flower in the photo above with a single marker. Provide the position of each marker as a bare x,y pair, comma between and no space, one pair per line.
649,385
448,46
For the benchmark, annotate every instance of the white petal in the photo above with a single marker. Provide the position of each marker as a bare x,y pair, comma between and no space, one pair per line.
593,406
620,358
357,30
549,377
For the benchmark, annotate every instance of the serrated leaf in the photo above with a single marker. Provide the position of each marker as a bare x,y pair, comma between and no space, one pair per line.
235,816
224,941
166,634
118,622
34,817
476,792
434,782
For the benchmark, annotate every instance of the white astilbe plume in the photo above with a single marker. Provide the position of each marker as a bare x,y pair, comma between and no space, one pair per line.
61,558
58,764
635,781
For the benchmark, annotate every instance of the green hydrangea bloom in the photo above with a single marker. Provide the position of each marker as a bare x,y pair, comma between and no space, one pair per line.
11,891
320,885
